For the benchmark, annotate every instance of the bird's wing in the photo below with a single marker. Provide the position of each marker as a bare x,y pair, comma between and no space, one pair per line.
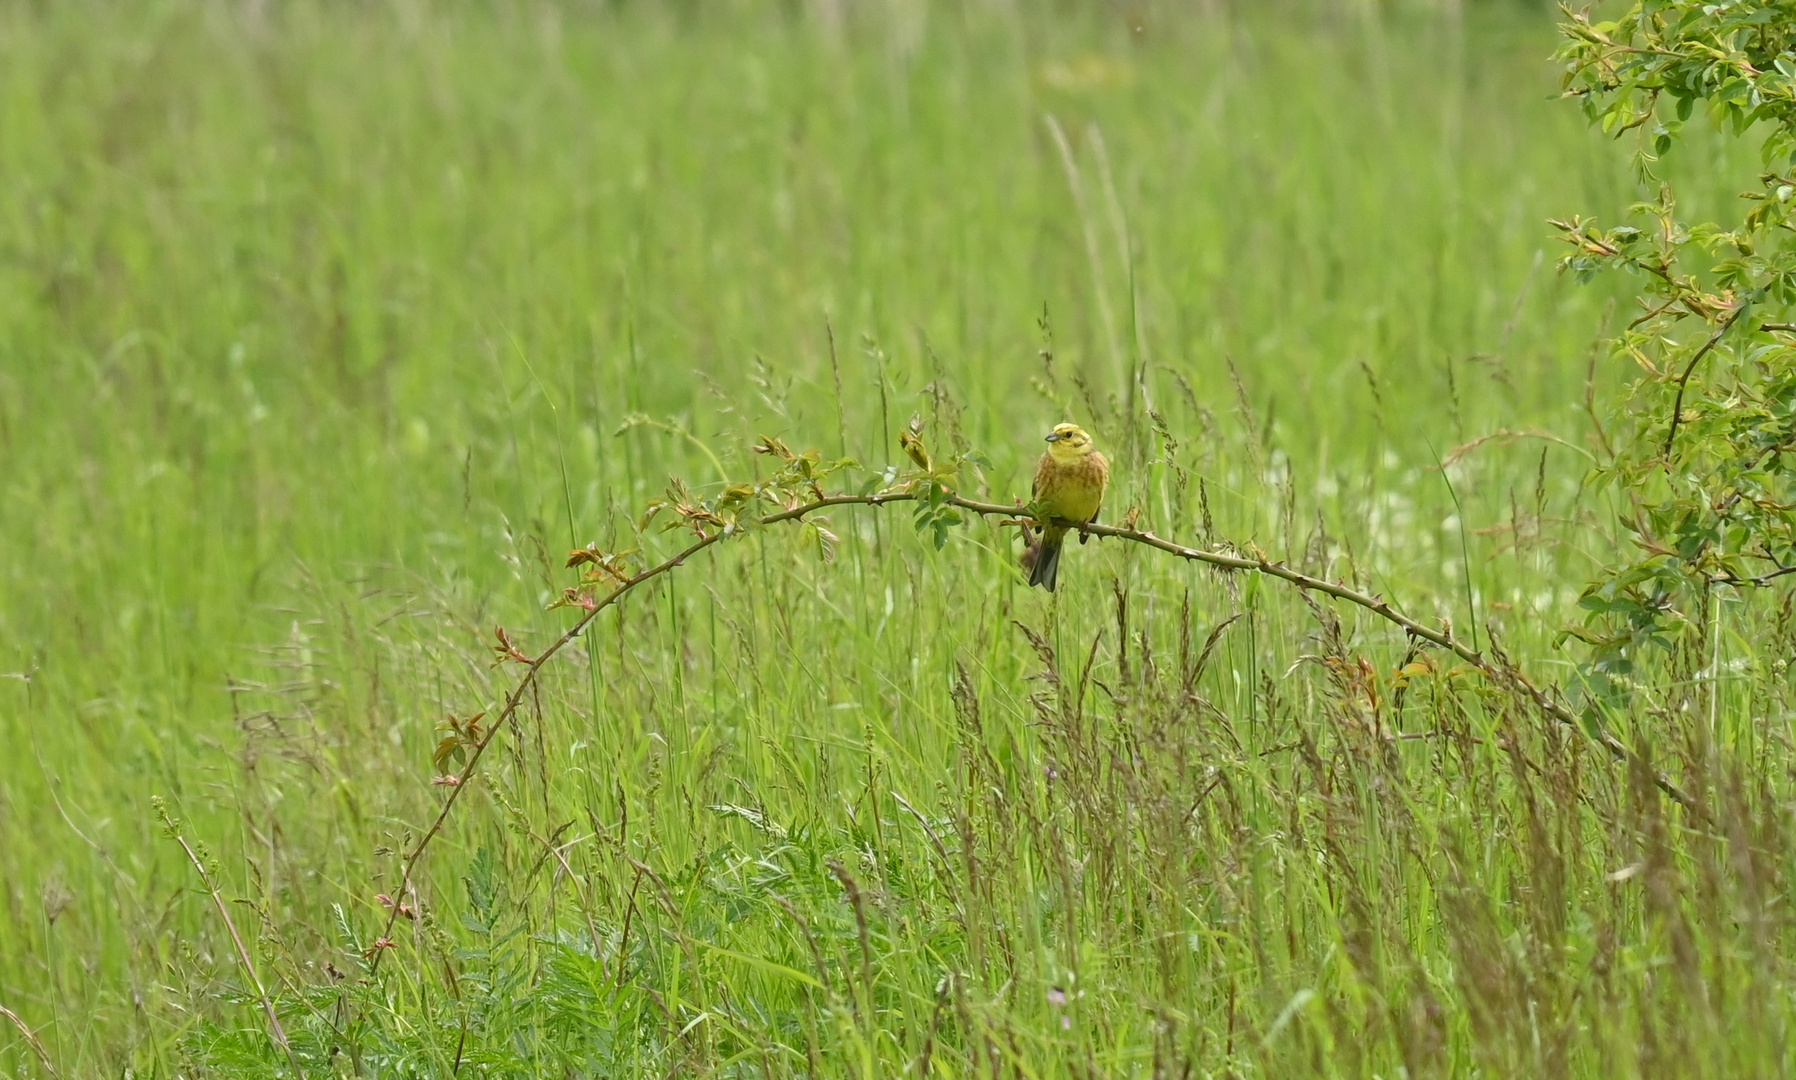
1043,469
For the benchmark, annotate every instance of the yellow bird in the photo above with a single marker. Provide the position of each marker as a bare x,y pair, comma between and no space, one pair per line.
1069,485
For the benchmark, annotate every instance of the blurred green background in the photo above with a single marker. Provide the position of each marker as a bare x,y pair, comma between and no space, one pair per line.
325,329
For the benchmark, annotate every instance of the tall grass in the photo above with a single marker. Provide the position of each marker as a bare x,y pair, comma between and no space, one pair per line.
325,332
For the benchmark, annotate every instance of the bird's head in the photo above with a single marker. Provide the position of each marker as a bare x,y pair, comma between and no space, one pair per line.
1069,441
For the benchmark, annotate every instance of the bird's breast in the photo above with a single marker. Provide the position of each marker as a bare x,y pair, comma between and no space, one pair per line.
1073,490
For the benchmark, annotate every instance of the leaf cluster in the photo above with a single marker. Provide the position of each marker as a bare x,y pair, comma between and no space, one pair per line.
460,737
1706,424
935,483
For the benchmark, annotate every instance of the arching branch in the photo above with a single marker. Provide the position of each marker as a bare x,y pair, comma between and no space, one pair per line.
1492,667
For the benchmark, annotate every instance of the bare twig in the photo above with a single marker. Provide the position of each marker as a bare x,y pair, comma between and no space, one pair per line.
1741,581
1677,406
1503,674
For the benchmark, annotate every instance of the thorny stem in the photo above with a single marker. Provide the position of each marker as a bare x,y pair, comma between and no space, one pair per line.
1496,669
512,701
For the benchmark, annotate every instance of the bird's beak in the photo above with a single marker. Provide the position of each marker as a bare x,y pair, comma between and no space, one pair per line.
1053,437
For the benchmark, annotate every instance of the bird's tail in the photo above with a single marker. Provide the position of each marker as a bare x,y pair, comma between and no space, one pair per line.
1043,559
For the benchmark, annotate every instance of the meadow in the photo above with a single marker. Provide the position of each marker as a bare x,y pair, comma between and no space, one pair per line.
327,331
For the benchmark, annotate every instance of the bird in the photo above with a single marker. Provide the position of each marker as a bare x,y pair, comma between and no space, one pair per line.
1069,485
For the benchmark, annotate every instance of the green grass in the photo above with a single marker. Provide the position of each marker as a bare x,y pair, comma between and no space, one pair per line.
325,332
